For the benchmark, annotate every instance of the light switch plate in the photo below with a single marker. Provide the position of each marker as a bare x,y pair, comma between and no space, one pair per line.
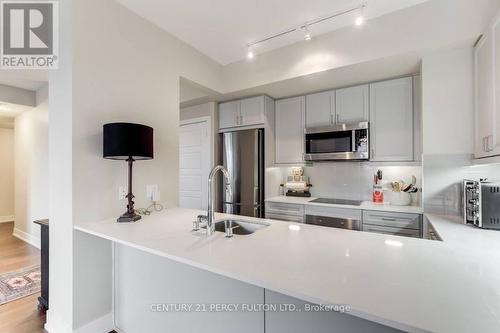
151,190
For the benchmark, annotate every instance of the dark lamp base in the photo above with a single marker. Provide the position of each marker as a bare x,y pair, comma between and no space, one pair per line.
126,217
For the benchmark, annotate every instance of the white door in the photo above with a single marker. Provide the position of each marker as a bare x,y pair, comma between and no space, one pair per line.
320,109
229,114
290,130
194,164
252,111
352,104
391,120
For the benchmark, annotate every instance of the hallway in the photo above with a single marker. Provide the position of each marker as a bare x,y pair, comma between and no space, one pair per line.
22,315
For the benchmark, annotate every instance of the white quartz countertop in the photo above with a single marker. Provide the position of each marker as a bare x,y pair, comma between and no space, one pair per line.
365,205
412,284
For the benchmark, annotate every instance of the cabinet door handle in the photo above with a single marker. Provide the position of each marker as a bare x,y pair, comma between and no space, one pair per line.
332,120
241,120
338,118
484,144
491,145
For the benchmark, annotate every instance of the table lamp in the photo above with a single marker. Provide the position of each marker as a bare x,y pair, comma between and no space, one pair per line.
128,142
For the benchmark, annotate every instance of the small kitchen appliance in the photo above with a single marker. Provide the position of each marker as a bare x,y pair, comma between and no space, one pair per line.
482,203
341,142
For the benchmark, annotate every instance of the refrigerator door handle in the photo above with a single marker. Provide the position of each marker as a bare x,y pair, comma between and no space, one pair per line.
256,201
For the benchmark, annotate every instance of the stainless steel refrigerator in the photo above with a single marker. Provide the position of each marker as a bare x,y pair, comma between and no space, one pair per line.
243,157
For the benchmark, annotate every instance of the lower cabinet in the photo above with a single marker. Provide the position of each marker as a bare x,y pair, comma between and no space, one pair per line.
382,222
390,223
285,212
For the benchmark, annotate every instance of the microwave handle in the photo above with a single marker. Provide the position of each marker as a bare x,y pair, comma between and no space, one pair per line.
353,141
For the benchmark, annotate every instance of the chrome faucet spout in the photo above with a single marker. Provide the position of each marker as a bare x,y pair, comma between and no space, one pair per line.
210,212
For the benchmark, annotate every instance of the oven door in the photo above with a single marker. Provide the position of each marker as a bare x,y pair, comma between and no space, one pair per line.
339,142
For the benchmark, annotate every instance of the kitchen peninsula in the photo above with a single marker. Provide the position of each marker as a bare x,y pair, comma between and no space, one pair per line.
288,263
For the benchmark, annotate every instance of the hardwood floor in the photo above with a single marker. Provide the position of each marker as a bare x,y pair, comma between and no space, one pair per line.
20,316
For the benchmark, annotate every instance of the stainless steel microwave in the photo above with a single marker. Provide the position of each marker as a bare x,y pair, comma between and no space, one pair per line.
338,142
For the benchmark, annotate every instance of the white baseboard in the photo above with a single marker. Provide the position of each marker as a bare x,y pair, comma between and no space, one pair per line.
8,218
103,324
24,236
56,325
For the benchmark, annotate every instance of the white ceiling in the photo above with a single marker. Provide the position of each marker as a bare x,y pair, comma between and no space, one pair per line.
24,78
221,29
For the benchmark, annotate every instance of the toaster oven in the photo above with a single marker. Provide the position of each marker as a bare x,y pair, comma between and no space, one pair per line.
482,203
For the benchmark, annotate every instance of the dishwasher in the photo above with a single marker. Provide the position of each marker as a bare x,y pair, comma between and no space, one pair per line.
334,222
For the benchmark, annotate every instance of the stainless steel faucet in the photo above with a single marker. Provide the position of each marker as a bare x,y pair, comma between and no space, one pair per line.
210,212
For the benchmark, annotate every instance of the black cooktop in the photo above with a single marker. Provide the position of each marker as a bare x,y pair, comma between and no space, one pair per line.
337,201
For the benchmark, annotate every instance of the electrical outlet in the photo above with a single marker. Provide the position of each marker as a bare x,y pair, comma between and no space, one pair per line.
151,191
122,192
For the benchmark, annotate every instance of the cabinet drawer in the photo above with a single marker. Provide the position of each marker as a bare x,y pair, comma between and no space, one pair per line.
343,213
391,230
389,219
284,209
288,218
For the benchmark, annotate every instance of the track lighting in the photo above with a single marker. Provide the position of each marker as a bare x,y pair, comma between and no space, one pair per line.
361,16
307,33
250,53
359,21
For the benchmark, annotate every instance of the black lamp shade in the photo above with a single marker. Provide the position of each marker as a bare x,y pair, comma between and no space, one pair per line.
124,140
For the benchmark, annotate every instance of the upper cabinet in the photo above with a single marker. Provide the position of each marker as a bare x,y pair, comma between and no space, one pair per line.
352,104
245,112
229,113
289,130
391,120
487,93
320,109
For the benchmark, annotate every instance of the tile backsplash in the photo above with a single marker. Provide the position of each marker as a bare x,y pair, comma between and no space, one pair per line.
345,180
442,179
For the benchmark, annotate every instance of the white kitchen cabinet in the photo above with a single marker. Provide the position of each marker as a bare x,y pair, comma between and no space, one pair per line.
352,104
252,111
487,92
229,113
392,223
285,212
245,112
484,104
391,120
320,109
289,130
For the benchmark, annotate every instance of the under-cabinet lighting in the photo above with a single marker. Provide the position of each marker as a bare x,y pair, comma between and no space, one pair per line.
294,227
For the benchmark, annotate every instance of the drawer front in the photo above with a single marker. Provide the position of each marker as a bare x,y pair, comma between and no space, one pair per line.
288,218
284,209
344,213
391,231
390,219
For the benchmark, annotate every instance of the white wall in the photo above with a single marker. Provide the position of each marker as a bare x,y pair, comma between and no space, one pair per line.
119,68
32,174
6,174
448,102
